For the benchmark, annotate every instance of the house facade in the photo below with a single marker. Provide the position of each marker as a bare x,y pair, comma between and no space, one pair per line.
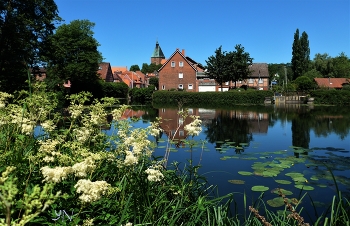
179,72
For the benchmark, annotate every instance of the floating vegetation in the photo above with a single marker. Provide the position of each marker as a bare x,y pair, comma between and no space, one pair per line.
245,173
283,181
304,187
260,188
236,181
281,190
243,144
225,157
249,158
276,202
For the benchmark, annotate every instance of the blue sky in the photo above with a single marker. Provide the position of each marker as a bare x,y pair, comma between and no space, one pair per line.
127,30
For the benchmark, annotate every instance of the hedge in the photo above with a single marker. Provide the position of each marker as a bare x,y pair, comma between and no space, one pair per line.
217,98
331,97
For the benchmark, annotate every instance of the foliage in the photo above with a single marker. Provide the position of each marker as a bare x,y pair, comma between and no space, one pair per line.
150,68
333,97
300,54
341,66
217,67
134,67
63,173
24,29
219,98
74,56
304,83
113,89
142,95
238,64
154,81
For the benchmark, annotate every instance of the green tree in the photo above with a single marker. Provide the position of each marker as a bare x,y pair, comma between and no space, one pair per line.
24,29
323,63
74,56
134,67
341,66
238,64
300,54
150,68
304,83
154,81
217,67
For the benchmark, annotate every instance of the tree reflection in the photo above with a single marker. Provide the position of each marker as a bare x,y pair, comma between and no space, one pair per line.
226,126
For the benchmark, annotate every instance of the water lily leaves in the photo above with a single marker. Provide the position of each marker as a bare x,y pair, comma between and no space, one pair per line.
304,187
281,190
260,188
249,158
245,173
236,181
270,173
276,202
283,181
243,144
225,158
299,179
314,177
294,175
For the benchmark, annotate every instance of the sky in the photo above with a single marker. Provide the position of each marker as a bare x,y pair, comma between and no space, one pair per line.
127,30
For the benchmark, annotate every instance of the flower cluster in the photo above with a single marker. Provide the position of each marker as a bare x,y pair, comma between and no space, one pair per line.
194,128
154,174
91,191
56,174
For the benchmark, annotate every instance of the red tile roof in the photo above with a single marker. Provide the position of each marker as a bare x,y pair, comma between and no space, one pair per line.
336,83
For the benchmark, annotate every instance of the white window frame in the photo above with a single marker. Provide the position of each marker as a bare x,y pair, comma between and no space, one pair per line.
181,75
181,63
261,80
163,87
190,86
172,63
251,80
226,83
181,86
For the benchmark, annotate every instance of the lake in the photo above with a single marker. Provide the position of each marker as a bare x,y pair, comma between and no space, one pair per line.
293,147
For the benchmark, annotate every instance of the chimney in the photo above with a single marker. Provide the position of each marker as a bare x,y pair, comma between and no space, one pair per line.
183,52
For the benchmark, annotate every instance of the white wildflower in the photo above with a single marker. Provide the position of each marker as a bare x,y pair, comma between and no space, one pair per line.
130,159
154,174
48,159
47,146
81,169
88,222
194,128
56,174
91,191
76,110
48,126
82,134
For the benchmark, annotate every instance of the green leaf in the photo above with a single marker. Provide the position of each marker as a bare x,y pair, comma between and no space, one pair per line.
260,188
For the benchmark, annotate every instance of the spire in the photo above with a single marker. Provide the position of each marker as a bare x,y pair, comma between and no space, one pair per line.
158,53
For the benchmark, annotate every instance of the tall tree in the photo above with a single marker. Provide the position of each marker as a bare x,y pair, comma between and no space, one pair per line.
134,67
150,68
24,29
341,66
74,55
217,67
238,64
300,54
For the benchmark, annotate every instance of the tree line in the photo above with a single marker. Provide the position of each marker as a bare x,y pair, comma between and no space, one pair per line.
30,39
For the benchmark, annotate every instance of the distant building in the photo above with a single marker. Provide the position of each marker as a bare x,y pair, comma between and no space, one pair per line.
158,55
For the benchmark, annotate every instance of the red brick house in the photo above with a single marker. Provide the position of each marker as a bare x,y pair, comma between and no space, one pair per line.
179,72
105,72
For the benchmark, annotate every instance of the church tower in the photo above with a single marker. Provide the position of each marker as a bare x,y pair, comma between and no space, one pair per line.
157,55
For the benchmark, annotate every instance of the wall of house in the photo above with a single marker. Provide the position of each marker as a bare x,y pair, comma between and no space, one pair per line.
169,76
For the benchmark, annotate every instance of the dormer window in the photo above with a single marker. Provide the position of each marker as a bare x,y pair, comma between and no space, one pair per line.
172,63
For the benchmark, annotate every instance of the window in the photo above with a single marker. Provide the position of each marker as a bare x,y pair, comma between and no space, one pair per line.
163,87
181,86
181,64
226,83
181,133
251,80
260,80
181,121
181,75
172,63
190,86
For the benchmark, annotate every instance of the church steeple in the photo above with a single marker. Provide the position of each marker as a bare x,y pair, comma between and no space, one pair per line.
157,55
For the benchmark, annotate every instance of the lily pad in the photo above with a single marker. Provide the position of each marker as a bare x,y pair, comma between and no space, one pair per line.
245,173
236,181
276,202
260,188
281,190
283,181
304,187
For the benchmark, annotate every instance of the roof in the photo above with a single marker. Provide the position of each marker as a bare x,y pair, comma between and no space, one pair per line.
158,52
336,83
103,70
119,68
259,70
178,51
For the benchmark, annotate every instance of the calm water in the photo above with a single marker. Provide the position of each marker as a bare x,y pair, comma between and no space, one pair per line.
263,146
